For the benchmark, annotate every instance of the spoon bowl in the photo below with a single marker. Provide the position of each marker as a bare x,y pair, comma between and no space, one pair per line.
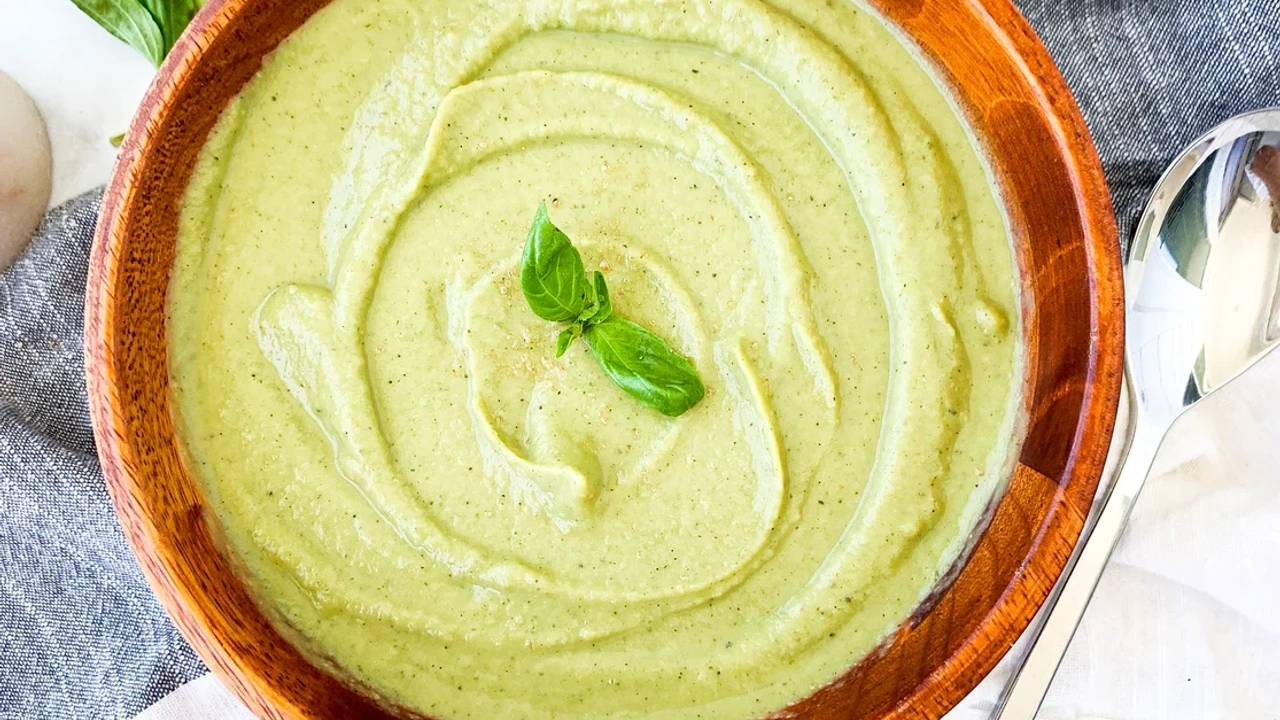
1203,275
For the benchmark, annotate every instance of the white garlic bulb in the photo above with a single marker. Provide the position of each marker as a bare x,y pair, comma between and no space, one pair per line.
25,169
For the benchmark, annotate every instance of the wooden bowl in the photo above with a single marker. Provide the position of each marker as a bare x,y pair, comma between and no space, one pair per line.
1067,250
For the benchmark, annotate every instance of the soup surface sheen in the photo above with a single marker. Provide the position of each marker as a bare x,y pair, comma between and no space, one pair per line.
430,503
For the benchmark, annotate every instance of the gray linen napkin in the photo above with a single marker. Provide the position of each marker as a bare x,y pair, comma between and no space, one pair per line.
81,636
1153,75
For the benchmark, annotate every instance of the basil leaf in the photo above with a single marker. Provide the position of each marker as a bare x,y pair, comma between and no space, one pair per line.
644,366
603,308
172,17
593,304
567,336
551,273
130,21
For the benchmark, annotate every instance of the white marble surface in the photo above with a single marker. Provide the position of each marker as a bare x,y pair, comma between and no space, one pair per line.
85,82
1185,625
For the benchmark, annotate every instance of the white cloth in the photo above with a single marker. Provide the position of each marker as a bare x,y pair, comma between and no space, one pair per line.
1186,623
201,699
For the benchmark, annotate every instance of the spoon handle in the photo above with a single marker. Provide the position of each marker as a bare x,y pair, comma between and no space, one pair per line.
1067,601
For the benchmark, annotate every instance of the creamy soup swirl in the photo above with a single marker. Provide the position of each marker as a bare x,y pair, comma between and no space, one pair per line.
429,501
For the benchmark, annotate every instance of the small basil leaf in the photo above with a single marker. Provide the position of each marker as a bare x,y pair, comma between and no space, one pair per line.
644,366
593,304
172,17
567,336
551,273
603,307
131,22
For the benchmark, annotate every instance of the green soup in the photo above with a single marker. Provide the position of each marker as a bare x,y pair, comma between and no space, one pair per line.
436,507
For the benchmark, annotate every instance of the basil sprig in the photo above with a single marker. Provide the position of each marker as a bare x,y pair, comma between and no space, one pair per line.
556,287
150,26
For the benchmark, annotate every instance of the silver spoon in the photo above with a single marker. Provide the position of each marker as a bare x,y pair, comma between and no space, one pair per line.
1202,305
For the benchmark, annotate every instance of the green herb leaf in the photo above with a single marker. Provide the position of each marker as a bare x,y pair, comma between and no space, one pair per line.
593,304
602,309
172,17
644,366
116,140
551,273
567,336
130,21
149,26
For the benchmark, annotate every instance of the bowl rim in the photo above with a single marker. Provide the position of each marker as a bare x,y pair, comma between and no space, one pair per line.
949,682
1062,525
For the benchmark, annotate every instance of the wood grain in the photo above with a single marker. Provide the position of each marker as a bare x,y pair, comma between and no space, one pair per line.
1067,249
